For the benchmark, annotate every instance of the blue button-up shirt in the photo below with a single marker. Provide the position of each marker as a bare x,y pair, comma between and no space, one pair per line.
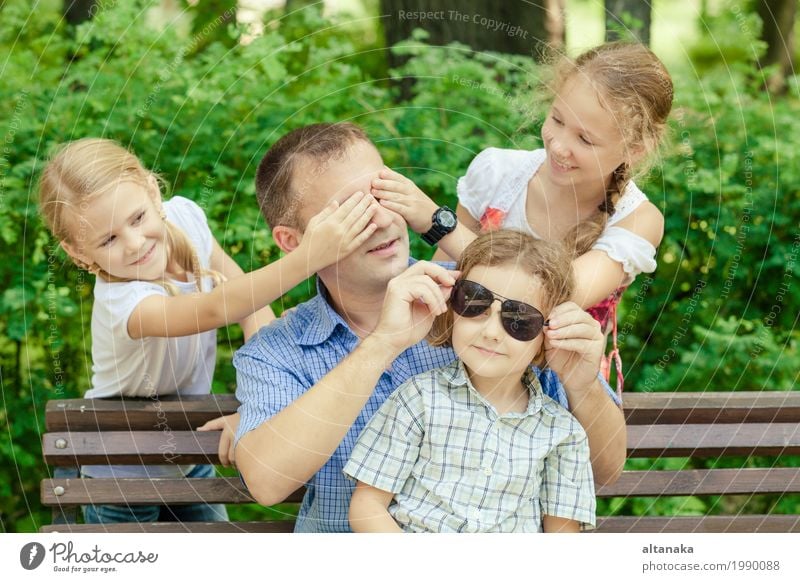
291,355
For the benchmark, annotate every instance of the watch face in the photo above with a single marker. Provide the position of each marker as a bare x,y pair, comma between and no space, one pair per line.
447,219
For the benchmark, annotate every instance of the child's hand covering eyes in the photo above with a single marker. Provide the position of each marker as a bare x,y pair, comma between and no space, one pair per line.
399,194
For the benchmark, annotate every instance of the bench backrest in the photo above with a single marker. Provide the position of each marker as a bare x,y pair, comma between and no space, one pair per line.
692,425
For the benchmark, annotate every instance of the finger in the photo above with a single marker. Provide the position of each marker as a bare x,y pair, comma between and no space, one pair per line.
565,313
350,213
223,450
351,202
232,453
393,196
213,424
389,185
359,219
389,174
576,346
362,238
436,272
579,330
431,294
396,207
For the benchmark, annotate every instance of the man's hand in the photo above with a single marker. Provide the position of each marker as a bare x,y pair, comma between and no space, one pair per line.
573,345
399,194
228,426
412,300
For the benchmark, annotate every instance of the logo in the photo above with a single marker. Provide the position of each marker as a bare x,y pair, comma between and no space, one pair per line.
31,555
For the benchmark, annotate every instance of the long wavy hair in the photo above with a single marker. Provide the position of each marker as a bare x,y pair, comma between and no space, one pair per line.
636,87
82,170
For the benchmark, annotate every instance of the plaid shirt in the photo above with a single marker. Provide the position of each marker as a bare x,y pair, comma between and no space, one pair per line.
455,465
288,357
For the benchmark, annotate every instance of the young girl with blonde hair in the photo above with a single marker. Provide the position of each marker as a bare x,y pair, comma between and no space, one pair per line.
607,118
164,285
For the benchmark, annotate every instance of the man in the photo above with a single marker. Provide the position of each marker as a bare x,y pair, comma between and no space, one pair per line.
309,382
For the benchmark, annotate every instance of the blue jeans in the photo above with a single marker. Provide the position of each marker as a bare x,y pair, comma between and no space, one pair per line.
146,513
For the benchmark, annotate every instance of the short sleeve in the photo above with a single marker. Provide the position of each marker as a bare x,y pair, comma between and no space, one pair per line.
265,384
476,187
114,303
634,253
190,217
567,485
389,445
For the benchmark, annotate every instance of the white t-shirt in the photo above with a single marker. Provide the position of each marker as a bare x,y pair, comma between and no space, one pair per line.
153,366
498,178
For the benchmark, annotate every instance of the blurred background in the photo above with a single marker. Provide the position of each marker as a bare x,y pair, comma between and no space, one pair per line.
199,90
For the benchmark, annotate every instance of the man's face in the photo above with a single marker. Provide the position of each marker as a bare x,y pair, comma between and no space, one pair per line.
385,255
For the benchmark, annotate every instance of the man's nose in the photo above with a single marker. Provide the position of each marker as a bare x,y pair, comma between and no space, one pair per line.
382,217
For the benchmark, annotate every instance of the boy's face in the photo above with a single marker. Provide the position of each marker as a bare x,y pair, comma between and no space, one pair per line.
481,342
370,267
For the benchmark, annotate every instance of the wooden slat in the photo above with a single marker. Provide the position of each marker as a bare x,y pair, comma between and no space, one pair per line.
130,448
689,440
176,527
229,490
703,482
711,407
190,412
707,524
713,440
185,413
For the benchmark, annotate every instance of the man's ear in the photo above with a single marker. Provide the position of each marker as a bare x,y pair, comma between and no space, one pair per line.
287,238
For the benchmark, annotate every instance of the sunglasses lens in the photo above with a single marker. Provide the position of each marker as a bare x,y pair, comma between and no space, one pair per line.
470,299
523,322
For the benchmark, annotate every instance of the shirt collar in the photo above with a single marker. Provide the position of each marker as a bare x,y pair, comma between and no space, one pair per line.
456,376
323,320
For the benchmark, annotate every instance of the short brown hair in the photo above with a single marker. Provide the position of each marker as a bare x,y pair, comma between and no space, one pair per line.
277,195
548,261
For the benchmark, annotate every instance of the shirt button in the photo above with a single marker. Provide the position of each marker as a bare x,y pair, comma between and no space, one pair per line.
487,471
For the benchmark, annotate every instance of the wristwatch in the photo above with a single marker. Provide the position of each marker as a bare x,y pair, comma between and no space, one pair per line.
444,222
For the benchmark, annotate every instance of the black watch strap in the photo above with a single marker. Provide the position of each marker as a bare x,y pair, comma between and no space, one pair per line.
439,229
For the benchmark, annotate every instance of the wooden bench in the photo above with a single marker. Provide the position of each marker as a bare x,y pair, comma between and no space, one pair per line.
675,425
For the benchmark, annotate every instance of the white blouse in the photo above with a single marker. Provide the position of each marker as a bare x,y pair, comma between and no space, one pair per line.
498,178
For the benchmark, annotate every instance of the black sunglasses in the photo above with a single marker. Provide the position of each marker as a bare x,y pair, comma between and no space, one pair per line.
521,321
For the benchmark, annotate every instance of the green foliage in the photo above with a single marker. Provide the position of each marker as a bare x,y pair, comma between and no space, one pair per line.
202,108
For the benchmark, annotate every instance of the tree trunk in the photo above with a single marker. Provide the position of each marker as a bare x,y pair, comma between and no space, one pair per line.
628,20
484,25
778,32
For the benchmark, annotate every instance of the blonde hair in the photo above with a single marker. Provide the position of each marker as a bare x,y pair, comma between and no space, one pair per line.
85,169
634,84
549,262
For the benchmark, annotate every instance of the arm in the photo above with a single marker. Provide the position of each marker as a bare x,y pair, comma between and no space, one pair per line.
286,450
401,195
333,233
596,274
573,348
552,524
222,263
369,511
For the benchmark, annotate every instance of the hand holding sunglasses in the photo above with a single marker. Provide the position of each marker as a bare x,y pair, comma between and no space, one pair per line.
521,321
